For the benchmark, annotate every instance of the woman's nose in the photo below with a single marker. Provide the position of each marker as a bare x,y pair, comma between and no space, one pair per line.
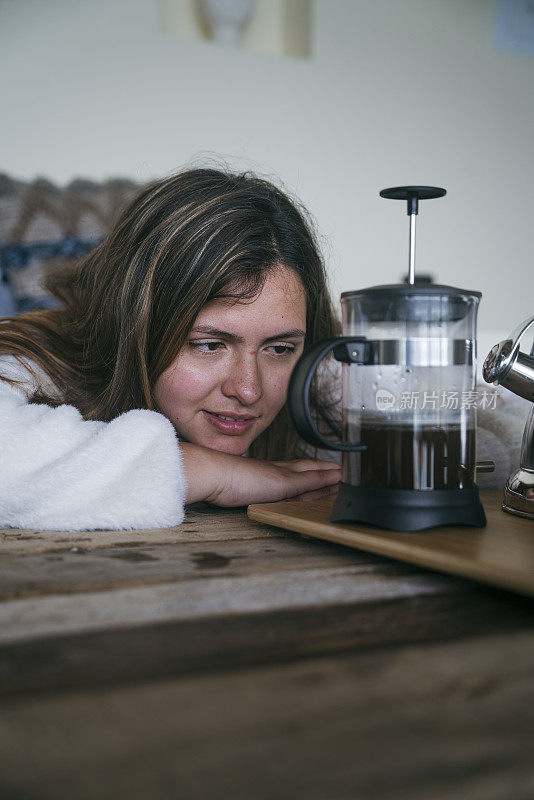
243,381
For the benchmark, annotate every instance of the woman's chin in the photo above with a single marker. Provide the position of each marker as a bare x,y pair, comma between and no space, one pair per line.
232,445
231,448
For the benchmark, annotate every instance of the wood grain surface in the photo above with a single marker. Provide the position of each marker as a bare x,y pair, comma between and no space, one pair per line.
114,610
203,523
502,554
229,658
427,721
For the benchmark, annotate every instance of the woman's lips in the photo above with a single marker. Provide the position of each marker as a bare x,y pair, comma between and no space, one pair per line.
231,427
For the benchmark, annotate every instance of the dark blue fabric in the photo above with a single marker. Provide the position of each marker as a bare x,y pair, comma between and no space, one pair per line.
20,255
8,306
36,303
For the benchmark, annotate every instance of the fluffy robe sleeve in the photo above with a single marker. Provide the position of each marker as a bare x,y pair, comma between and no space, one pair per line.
61,472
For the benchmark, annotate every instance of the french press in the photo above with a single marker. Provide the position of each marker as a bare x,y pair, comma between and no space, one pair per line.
408,355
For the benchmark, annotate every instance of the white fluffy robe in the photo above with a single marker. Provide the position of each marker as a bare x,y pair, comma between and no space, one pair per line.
61,472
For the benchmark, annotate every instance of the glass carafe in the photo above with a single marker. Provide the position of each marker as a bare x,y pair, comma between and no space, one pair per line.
409,406
414,407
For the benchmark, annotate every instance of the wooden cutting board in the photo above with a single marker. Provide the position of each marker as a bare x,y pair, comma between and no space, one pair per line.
501,554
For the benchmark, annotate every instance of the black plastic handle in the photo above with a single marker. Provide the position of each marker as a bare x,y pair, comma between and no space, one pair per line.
298,392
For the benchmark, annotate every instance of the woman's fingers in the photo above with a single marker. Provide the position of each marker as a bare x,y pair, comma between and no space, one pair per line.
318,494
305,464
311,480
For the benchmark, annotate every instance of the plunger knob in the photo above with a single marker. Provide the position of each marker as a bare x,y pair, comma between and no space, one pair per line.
413,194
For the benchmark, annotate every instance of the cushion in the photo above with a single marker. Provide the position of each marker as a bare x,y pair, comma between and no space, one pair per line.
43,225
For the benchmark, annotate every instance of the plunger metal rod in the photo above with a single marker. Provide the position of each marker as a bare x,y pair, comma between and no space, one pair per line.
411,263
412,194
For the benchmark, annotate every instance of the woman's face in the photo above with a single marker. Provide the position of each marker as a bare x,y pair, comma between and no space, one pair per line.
230,379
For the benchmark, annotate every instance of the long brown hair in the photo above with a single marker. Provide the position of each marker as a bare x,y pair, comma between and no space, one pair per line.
128,307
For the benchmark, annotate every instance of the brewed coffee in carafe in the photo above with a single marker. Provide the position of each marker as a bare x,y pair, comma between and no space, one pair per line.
408,355
413,408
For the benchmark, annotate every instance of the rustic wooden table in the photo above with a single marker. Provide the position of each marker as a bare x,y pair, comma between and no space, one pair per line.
228,659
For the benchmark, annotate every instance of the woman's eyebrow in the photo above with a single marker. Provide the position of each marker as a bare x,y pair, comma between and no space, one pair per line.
295,333
216,333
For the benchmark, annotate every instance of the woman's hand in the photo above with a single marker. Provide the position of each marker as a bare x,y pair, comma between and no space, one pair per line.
227,480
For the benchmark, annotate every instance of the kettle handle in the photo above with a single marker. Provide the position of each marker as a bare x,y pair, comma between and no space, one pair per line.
520,331
298,392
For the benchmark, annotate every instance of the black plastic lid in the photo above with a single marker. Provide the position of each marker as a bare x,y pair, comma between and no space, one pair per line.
399,289
424,302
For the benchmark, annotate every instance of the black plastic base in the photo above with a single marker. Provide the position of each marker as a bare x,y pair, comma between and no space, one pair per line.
408,509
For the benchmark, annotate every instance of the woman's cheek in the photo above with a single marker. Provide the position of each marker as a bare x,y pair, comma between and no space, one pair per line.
278,390
193,379
182,386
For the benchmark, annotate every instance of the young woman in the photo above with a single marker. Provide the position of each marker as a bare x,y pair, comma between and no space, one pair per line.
168,361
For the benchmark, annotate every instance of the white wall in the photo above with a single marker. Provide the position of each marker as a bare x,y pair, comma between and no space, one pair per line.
398,91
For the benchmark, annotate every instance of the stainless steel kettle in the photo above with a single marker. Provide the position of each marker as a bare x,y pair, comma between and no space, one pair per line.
507,366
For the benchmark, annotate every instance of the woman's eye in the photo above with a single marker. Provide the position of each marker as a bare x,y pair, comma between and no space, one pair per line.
206,347
282,349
